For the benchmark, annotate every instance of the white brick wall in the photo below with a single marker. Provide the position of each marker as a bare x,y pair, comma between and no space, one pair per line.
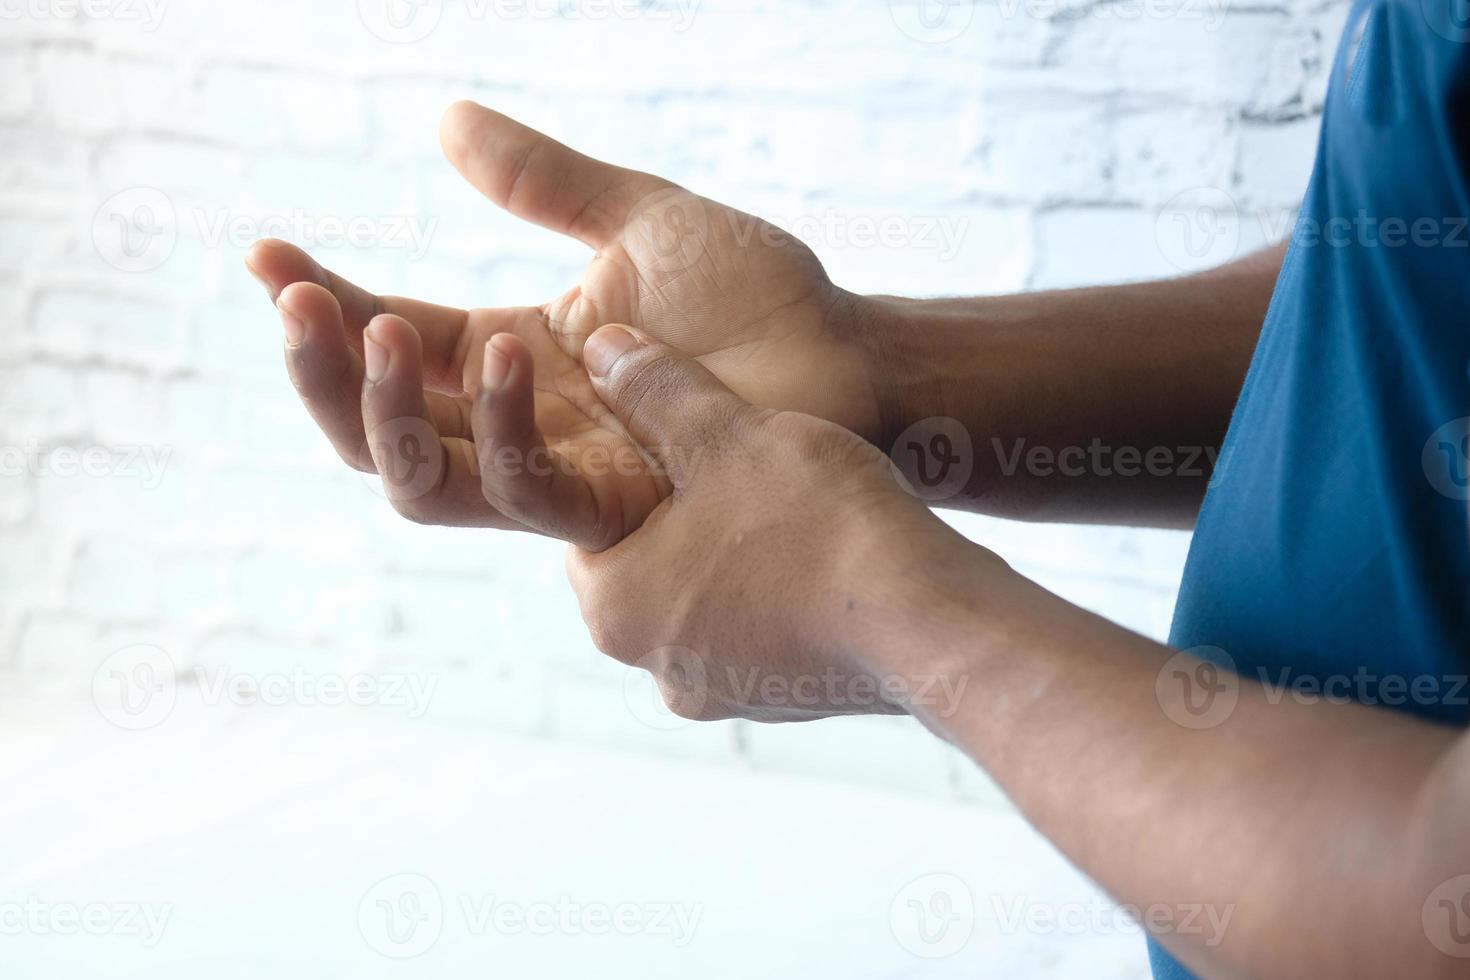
1046,134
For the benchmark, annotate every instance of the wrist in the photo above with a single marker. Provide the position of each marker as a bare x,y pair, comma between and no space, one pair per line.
898,364
924,607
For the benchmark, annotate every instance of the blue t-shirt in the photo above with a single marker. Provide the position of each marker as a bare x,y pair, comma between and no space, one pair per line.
1332,554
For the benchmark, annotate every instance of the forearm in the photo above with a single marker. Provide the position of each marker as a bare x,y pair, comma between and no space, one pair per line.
1089,405
1310,834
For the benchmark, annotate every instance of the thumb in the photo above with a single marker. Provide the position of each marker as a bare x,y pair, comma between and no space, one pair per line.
536,178
669,402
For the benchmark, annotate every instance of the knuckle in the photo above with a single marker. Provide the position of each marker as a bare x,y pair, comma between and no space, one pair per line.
601,629
414,511
361,460
645,375
681,705
579,572
689,704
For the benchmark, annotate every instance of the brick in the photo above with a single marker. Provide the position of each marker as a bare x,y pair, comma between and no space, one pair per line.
115,578
1159,151
79,323
77,89
1055,150
18,96
57,647
1051,135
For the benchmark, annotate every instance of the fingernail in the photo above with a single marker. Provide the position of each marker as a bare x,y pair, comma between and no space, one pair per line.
497,366
604,347
375,358
295,329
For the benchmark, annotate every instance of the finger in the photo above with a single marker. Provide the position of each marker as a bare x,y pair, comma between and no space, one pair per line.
519,476
278,264
536,178
326,372
611,588
669,402
428,479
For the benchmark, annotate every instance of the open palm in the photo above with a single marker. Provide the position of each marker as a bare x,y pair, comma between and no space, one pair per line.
399,386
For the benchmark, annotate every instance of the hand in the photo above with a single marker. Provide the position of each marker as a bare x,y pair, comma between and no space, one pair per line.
751,303
766,585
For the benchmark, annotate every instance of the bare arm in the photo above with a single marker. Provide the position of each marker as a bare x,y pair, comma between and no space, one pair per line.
1060,390
1319,839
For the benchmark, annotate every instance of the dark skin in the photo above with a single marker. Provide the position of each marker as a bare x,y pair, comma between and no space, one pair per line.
1282,837
759,527
755,307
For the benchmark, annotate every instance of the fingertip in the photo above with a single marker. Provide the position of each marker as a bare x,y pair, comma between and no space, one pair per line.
376,358
495,369
301,299
274,260
385,337
261,248
393,332
606,344
508,344
456,125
